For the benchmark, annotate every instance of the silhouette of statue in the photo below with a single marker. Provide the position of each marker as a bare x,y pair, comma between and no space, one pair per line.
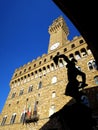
72,88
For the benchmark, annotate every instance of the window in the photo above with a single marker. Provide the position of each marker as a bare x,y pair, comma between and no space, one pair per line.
88,50
24,70
15,74
96,79
77,55
52,110
34,65
83,52
22,117
73,45
51,57
53,94
13,95
65,49
13,119
44,60
54,80
92,65
4,120
52,66
40,62
21,92
29,68
71,56
81,41
61,63
20,72
30,88
40,85
78,67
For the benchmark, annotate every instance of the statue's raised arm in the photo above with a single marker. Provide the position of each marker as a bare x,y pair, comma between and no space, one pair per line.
56,58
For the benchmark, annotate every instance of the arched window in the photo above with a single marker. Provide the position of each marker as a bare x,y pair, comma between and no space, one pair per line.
13,95
54,80
71,56
30,88
96,79
40,85
77,55
22,119
52,66
65,49
61,63
13,118
52,110
21,92
92,64
88,51
83,52
73,45
44,70
48,68
53,94
4,120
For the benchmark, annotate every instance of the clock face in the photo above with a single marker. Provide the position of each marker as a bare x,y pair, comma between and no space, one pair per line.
54,46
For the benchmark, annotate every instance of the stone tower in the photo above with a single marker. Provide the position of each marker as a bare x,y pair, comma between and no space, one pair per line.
58,34
37,88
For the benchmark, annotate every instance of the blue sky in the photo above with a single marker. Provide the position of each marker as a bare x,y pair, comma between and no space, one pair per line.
24,35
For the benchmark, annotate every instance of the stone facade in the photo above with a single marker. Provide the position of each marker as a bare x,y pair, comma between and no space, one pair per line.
41,82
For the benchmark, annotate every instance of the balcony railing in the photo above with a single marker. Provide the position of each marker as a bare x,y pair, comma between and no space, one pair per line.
33,118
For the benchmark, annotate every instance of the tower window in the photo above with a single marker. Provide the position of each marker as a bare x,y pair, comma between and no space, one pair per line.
34,65
20,72
83,52
65,49
29,68
39,62
71,56
24,70
81,41
51,57
77,55
15,74
44,60
73,45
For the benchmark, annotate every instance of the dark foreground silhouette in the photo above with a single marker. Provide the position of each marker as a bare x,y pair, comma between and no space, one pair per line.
76,116
72,88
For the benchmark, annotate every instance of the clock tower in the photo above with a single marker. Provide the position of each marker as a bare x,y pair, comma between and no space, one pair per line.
58,34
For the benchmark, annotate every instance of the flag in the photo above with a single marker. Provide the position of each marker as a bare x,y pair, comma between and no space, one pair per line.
29,111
